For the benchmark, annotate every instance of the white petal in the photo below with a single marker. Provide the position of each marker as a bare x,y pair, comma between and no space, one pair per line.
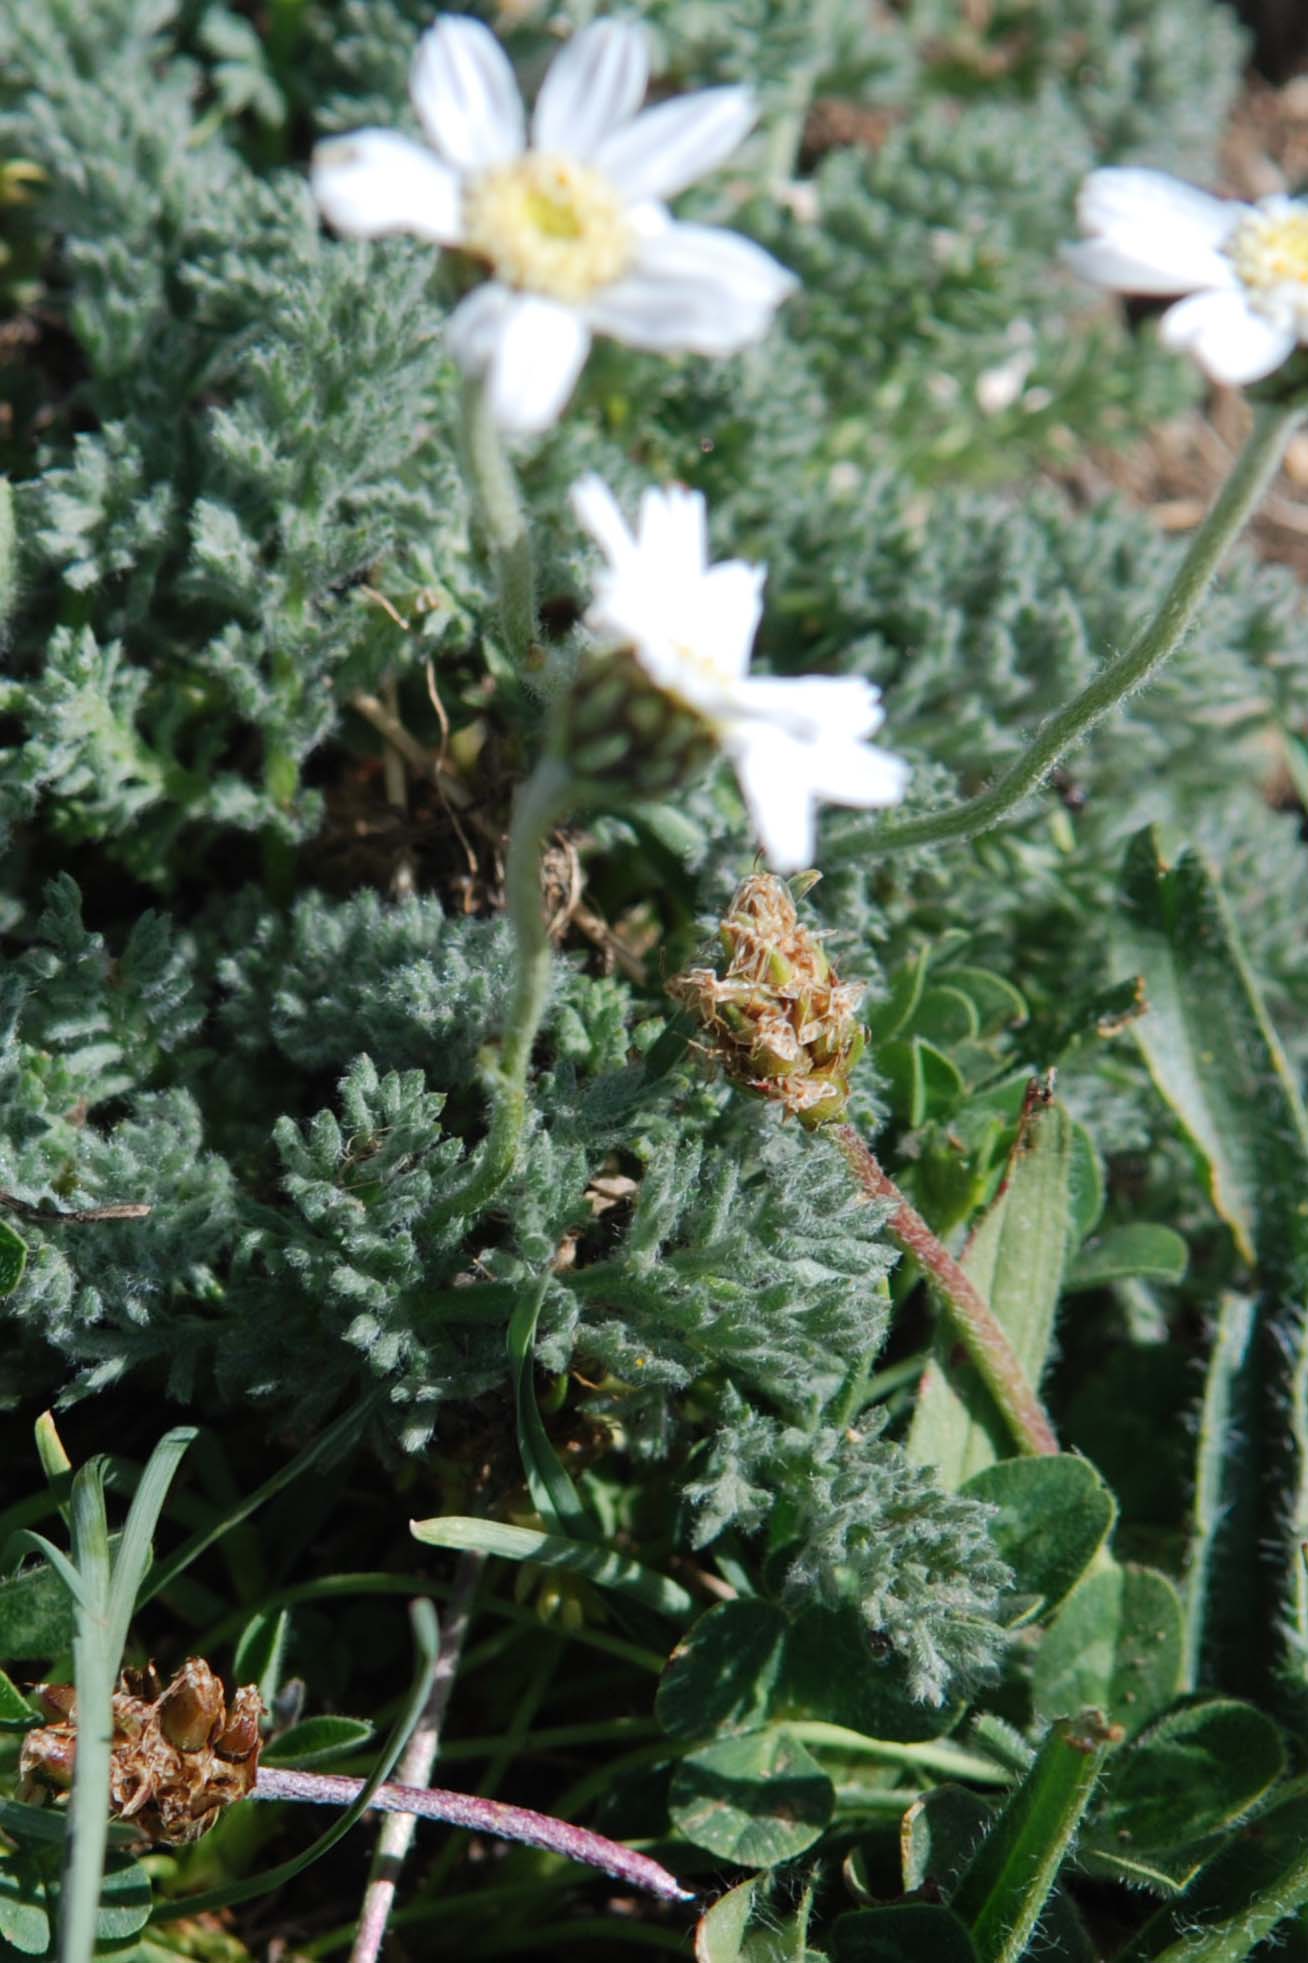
694,288
466,94
594,85
1227,338
1134,262
1125,199
813,705
859,774
1149,233
672,531
728,611
597,512
777,792
373,182
673,144
473,330
539,352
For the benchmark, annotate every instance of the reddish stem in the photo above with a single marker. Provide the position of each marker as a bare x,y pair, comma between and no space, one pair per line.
482,1816
974,1321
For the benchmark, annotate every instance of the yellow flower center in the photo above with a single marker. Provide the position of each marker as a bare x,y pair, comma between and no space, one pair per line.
548,225
1270,253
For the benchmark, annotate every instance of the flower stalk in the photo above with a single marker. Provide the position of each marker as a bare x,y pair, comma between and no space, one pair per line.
969,1313
499,506
1254,470
490,1816
548,793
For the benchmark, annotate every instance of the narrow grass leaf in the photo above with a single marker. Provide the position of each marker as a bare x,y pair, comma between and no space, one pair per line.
553,1494
599,1564
95,1664
336,1439
1216,1059
133,1557
1209,1044
1222,1612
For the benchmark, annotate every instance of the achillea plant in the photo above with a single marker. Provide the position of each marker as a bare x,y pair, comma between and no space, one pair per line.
445,555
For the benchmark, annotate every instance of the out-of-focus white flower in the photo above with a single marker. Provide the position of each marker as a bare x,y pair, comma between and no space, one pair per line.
1242,269
691,625
572,223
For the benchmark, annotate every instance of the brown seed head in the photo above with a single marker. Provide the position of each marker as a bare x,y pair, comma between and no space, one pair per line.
180,1756
776,1016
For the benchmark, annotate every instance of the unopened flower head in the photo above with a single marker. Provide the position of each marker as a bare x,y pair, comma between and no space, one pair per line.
571,224
689,627
1239,272
777,1017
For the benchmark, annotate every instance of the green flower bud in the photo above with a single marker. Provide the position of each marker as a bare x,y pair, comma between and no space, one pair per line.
615,728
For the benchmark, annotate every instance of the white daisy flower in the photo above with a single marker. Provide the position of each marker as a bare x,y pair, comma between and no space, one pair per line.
1242,269
691,626
571,223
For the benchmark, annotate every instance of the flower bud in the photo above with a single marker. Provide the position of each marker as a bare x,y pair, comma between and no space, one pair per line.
617,729
776,1015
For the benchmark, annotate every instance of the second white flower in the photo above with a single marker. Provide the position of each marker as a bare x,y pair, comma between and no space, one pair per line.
795,743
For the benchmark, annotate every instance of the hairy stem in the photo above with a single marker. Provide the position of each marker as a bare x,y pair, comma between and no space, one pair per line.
397,1829
1254,469
499,506
541,802
489,1816
969,1313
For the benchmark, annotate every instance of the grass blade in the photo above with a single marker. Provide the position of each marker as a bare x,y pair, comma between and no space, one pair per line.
553,1494
337,1436
95,1664
133,1555
599,1564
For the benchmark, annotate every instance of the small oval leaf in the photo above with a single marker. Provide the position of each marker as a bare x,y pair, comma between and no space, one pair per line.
757,1799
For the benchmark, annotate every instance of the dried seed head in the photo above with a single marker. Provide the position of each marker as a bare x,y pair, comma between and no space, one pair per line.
776,1016
192,1711
180,1754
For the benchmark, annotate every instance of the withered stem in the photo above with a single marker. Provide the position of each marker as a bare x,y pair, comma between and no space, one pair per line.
396,1834
489,1816
970,1314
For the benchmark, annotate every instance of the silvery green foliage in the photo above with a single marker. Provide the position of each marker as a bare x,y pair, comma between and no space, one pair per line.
238,506
863,1526
264,413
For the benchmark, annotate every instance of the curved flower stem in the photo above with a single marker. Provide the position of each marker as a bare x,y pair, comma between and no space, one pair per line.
540,804
500,508
489,1816
973,1320
1254,469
